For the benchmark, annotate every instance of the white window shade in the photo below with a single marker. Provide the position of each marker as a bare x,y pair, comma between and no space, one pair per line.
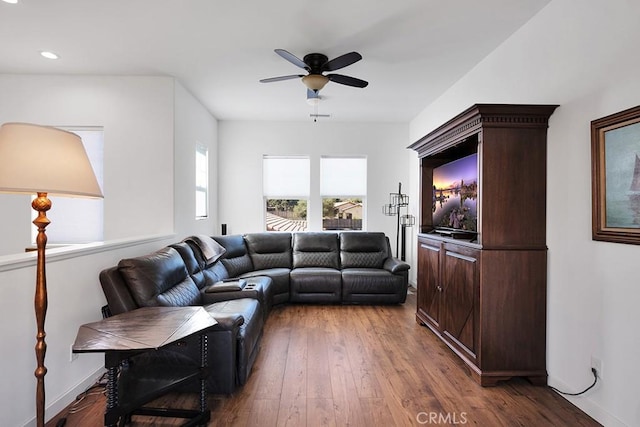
286,177
343,176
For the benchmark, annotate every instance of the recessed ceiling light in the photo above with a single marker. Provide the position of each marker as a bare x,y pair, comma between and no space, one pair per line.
11,1
49,55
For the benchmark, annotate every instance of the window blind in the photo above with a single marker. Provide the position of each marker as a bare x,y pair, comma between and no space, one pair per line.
286,177
343,176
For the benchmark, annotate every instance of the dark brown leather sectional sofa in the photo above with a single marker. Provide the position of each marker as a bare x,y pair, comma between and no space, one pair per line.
239,278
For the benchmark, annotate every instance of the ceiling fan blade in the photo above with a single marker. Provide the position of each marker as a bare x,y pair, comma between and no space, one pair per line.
291,58
347,80
342,61
278,79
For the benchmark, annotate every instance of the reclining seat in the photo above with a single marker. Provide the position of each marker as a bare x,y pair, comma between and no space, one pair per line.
239,263
161,279
316,268
201,254
271,256
370,274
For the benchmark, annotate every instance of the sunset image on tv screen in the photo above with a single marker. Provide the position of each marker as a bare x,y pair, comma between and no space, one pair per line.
455,194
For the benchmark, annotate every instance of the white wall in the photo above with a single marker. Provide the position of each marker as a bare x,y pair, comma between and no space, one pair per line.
193,123
75,298
583,57
138,116
242,145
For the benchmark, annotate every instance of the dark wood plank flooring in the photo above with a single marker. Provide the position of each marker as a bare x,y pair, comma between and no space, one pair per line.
325,365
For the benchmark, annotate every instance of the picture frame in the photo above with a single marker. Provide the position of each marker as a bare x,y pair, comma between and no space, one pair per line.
615,171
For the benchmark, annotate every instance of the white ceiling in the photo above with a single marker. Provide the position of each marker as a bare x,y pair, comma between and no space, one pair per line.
413,50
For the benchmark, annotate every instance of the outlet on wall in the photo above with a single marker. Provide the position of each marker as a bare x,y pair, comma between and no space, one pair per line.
72,356
597,365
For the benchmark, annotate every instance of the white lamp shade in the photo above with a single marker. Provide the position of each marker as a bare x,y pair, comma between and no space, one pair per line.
36,158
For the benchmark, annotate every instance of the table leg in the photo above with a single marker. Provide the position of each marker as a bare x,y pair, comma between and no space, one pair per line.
111,418
204,348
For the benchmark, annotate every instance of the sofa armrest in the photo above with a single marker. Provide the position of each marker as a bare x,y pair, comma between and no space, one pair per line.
394,265
226,321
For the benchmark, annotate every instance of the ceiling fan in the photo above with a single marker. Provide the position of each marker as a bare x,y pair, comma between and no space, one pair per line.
316,64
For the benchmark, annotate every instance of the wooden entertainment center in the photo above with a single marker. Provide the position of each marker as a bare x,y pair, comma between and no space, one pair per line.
484,294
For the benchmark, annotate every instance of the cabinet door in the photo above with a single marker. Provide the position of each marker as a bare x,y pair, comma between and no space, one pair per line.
428,298
460,297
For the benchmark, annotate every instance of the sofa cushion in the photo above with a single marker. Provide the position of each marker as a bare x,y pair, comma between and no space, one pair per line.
316,250
259,287
316,285
214,273
363,250
180,295
236,260
160,278
373,286
371,281
315,280
269,250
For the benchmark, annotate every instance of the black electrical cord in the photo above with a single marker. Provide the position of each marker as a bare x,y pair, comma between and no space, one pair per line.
595,380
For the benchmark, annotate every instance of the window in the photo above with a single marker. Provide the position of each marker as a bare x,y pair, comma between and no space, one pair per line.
343,188
286,182
202,181
78,220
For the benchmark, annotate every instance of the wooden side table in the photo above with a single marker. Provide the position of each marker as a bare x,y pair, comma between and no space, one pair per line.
147,329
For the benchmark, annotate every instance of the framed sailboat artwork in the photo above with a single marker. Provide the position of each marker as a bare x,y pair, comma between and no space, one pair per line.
615,170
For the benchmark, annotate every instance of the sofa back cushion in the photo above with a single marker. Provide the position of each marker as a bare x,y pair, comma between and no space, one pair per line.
116,291
160,278
269,250
206,273
363,249
236,260
192,262
316,250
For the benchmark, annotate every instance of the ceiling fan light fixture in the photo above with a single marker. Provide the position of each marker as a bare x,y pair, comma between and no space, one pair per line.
313,97
315,81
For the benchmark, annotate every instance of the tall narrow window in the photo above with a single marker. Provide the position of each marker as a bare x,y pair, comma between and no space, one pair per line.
286,182
78,220
343,188
202,181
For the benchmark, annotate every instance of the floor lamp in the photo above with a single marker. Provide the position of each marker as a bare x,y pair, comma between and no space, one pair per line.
43,160
397,201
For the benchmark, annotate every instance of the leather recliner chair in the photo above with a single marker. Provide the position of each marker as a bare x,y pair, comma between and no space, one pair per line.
161,278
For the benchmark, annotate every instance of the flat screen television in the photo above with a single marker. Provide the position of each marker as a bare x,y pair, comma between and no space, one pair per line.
455,195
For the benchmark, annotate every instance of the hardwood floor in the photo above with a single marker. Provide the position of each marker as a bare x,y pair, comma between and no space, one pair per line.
325,365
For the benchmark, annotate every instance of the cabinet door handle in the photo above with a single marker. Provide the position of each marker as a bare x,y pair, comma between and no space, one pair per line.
439,288
431,248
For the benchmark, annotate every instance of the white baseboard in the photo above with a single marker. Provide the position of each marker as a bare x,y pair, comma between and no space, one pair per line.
588,405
